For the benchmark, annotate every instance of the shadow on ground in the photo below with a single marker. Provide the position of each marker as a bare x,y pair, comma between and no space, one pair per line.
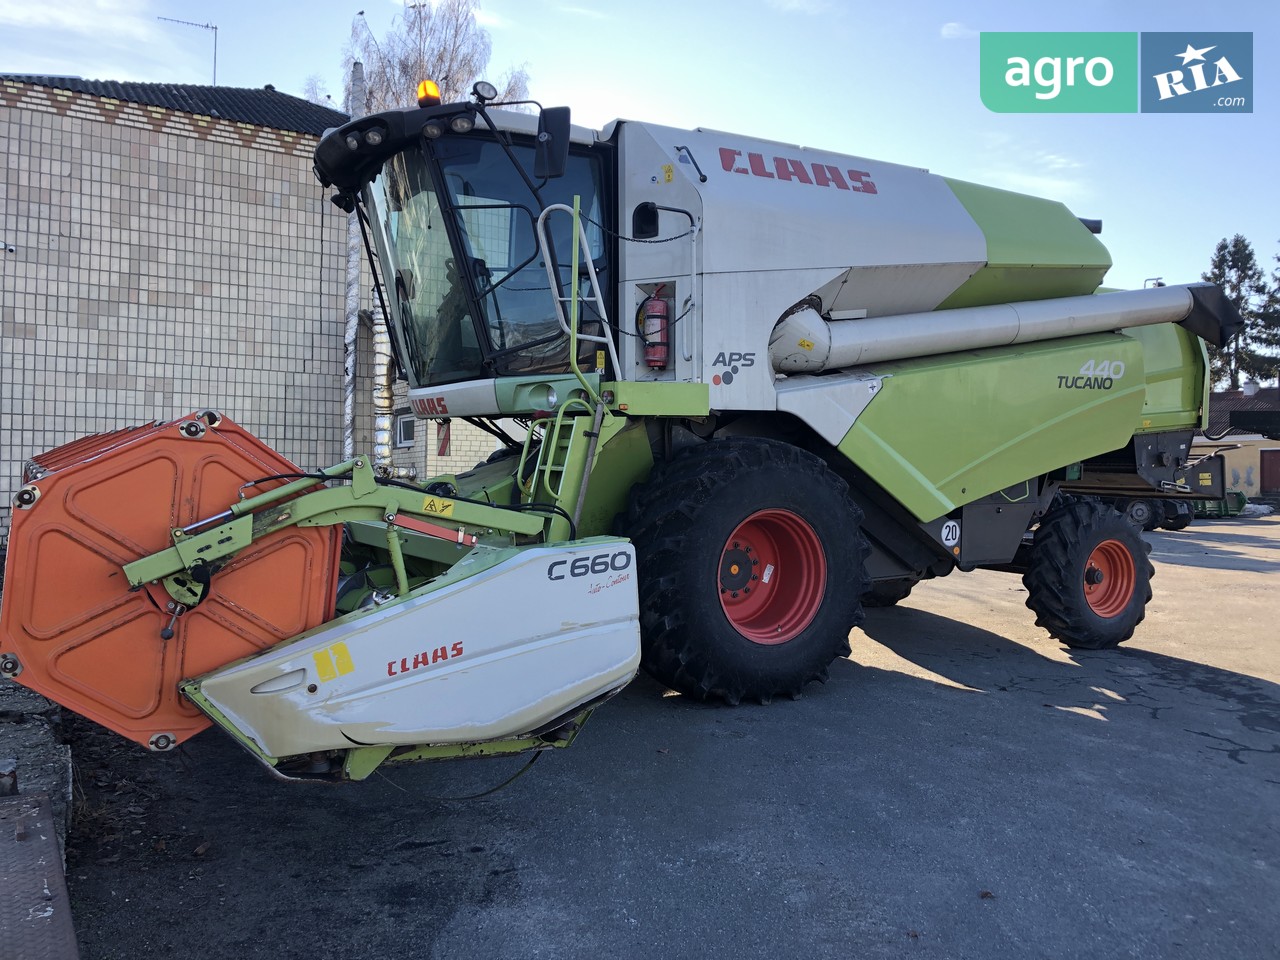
1105,685
948,793
1235,549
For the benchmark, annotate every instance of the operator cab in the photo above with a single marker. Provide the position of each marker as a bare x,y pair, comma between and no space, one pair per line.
449,197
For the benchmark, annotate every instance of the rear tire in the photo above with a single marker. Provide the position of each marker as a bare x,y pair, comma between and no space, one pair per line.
886,593
1177,515
1157,515
751,563
1137,512
1089,579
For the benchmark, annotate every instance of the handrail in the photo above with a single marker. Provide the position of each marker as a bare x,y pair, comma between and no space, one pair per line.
570,324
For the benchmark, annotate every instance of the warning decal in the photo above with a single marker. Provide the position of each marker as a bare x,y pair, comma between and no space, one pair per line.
438,506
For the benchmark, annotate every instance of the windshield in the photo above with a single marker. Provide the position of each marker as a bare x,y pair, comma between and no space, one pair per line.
472,293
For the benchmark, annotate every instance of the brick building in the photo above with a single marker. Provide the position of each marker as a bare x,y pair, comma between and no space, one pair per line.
165,248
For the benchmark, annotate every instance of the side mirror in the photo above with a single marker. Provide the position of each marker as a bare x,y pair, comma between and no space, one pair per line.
644,221
551,157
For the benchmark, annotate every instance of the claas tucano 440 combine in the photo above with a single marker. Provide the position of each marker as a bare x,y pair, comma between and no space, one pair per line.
742,388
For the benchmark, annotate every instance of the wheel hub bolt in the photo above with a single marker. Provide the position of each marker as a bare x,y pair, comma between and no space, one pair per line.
1093,576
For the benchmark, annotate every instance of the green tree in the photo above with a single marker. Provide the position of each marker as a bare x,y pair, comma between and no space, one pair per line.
440,41
1252,353
1271,322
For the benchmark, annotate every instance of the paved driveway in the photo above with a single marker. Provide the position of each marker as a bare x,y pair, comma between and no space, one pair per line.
962,787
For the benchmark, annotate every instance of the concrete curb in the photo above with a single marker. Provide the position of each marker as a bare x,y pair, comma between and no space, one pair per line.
30,734
35,912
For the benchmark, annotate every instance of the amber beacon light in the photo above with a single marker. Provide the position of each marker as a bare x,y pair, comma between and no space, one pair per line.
428,93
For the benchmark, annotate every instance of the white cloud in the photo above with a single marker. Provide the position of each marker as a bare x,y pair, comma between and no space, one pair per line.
957,31
1036,184
104,19
102,40
1026,168
1055,161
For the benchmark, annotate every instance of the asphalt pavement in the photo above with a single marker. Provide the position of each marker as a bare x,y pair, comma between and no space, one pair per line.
962,787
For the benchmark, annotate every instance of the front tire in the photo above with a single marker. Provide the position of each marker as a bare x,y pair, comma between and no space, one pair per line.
752,564
1089,579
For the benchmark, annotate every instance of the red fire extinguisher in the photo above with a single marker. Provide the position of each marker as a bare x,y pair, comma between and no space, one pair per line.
653,330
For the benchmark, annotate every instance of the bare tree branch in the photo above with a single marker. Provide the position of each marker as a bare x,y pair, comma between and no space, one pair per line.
438,41
314,89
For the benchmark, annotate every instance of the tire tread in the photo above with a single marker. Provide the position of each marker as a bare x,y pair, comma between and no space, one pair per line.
1056,567
662,518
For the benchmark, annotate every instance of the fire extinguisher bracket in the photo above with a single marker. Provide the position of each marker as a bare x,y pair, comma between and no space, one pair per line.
654,327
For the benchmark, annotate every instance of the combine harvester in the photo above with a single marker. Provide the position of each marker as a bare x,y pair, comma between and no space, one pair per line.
758,387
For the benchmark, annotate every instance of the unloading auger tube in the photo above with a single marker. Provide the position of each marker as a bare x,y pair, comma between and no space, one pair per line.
806,342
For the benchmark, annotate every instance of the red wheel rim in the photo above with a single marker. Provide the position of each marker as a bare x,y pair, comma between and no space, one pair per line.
1109,578
772,576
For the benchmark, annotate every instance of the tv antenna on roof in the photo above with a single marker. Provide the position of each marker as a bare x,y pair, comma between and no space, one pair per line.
202,26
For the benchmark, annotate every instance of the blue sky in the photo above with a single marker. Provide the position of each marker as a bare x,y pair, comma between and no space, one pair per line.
891,81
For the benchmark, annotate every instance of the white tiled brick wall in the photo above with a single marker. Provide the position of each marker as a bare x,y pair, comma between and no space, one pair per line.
155,273
164,264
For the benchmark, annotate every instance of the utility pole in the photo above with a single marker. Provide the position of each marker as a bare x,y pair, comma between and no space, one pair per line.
202,26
